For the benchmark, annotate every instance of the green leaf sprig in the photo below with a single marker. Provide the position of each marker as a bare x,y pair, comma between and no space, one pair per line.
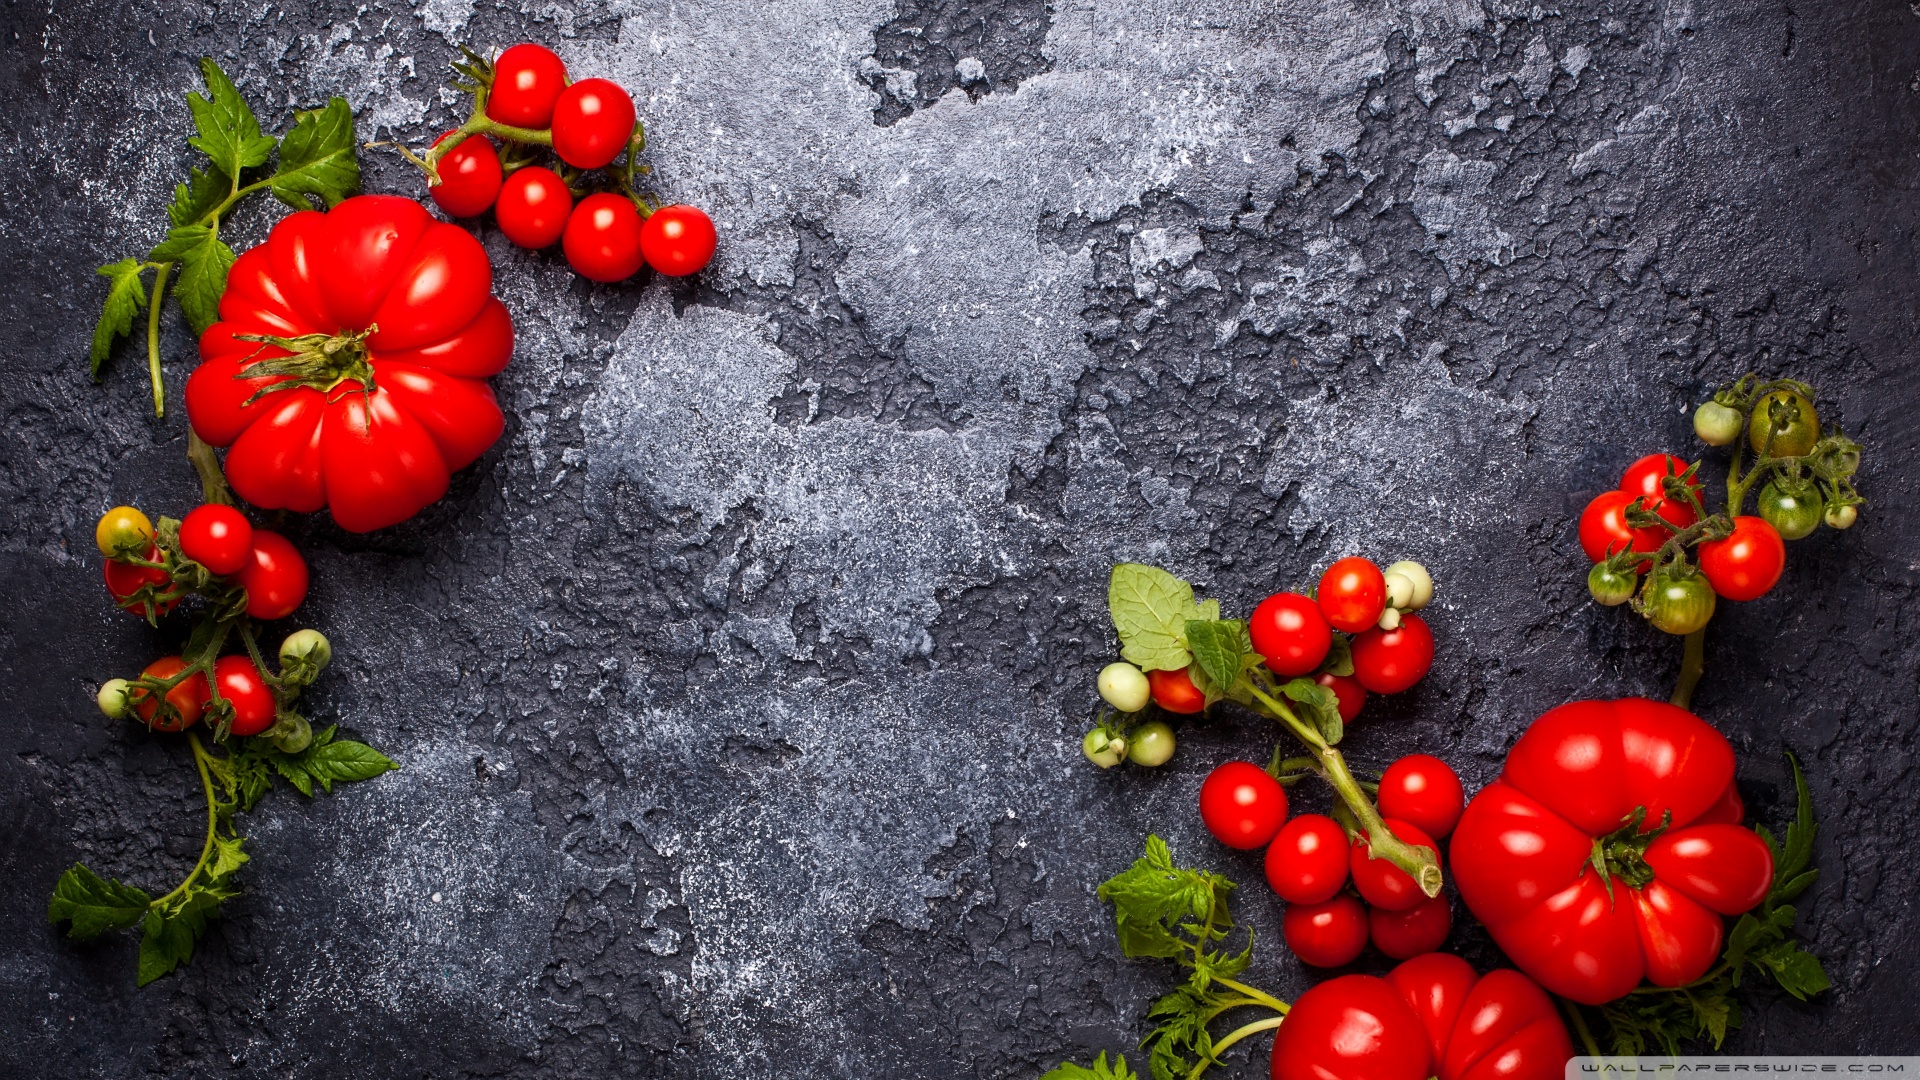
316,159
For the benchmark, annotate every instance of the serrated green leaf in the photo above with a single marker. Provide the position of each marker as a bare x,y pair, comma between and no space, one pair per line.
1339,659
1150,609
1319,706
1797,853
95,905
1100,1070
229,133
227,856
317,157
204,261
344,762
294,773
1796,970
1713,1014
196,200
125,297
1218,647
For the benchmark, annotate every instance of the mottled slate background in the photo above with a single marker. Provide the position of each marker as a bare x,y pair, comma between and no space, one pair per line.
738,689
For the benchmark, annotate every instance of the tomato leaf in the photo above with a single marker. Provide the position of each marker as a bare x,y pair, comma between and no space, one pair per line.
1099,1070
1320,707
1339,659
204,261
317,157
1219,648
1151,609
125,297
95,905
229,133
169,935
344,761
195,201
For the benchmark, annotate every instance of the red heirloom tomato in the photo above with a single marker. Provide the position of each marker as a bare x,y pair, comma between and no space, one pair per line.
1730,810
602,238
217,537
1174,691
385,332
1348,691
125,579
1327,934
1389,661
1381,883
678,240
533,207
1747,563
276,579
592,121
1289,632
1242,805
189,698
1353,593
240,683
1644,477
1420,789
527,80
469,176
1419,929
1307,861
1430,1017
1610,771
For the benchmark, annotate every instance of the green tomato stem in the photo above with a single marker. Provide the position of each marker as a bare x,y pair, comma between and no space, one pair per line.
1243,1032
213,480
1259,997
1580,1026
161,272
1693,664
200,759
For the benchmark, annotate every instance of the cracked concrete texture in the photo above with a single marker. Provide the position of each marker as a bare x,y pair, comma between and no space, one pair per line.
739,689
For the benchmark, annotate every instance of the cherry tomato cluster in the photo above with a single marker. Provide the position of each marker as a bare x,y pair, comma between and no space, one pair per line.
1639,534
525,99
245,574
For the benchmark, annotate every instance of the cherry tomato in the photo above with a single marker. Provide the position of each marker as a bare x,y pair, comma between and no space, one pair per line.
240,683
1151,744
1327,934
188,699
1679,603
1783,424
125,579
1381,883
1307,861
533,207
602,238
1355,1027
678,240
1348,691
469,176
592,121
1124,686
1610,587
1647,477
1419,929
1716,424
1174,691
1242,805
1421,790
1353,593
122,530
217,537
1289,632
1795,514
1389,661
527,80
1747,563
276,582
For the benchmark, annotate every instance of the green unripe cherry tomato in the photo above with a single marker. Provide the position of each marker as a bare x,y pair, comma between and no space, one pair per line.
1679,603
310,645
1151,745
1124,686
1783,425
1098,745
1842,517
112,699
1716,424
1793,515
1609,587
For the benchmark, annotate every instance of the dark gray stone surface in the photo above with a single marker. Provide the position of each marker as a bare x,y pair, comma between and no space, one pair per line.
738,689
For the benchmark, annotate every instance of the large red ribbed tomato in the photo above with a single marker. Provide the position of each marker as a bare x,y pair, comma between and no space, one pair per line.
348,369
1430,1017
1640,787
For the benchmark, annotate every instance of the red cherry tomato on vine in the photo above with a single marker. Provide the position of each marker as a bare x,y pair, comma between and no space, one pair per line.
1646,476
1419,929
527,81
1242,805
1604,530
1174,691
188,699
469,176
1421,790
1348,691
1746,564
1290,633
240,683
1381,883
533,207
678,240
276,580
217,537
1389,661
125,579
1327,934
1307,861
602,238
1353,593
592,121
